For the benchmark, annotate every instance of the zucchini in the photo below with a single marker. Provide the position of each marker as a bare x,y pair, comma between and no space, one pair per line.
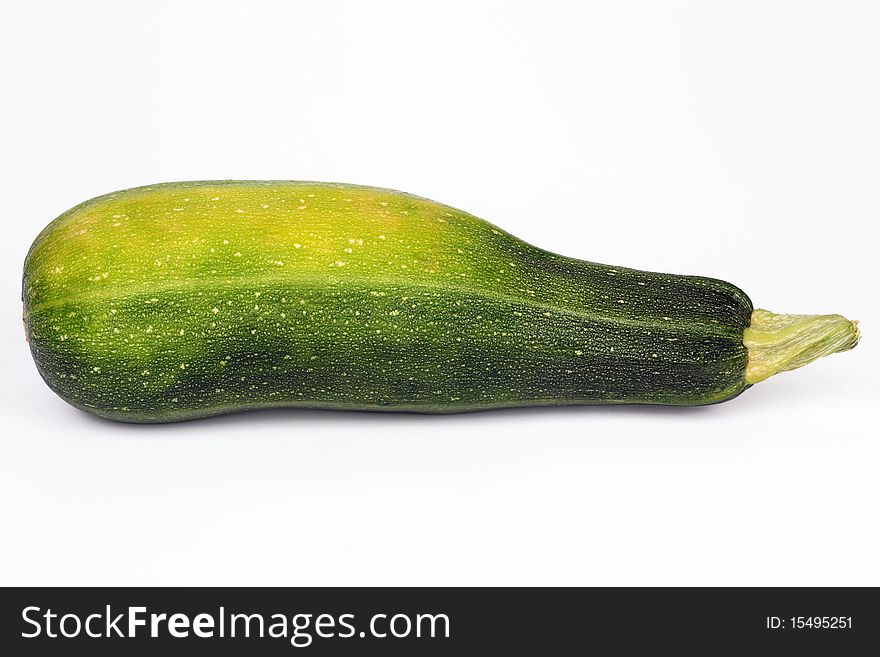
184,300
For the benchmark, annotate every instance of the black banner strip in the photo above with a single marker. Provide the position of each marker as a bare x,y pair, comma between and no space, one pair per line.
438,621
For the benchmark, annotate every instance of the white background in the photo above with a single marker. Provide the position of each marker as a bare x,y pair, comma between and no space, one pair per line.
733,139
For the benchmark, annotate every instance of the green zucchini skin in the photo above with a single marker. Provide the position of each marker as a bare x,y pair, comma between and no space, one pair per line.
185,300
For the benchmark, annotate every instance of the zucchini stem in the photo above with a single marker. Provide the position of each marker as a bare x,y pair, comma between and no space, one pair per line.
779,343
